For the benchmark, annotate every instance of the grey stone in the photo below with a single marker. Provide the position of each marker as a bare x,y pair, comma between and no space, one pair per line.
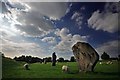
86,56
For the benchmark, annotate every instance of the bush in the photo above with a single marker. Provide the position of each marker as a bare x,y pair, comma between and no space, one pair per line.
105,56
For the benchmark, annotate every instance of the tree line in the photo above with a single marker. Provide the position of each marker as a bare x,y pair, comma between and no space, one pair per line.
30,59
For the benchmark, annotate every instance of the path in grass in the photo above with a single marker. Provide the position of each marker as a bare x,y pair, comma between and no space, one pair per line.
13,69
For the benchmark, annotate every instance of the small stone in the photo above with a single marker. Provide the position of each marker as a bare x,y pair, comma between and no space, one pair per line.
65,68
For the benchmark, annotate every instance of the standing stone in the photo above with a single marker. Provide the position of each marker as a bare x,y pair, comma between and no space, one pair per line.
54,59
86,56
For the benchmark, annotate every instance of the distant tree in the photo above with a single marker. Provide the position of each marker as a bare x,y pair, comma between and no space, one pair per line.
2,54
60,59
113,58
49,59
119,57
105,56
72,59
28,59
66,61
15,58
23,58
36,59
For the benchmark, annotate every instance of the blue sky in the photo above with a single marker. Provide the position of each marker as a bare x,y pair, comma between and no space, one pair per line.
41,28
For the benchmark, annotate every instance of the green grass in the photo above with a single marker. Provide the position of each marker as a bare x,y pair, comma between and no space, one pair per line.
13,69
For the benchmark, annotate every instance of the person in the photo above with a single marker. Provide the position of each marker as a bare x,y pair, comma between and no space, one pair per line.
54,59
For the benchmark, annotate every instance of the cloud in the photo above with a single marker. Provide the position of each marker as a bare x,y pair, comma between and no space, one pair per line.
69,8
106,20
8,9
110,47
53,10
75,15
83,8
29,18
63,33
3,8
33,24
12,48
26,21
112,7
77,38
32,20
78,18
67,40
50,40
30,31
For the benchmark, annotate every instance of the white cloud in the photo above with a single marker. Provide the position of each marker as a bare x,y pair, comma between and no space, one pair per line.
75,15
53,10
29,17
50,40
68,40
63,33
110,47
34,23
82,8
106,20
27,22
35,19
12,48
69,8
35,29
78,18
77,38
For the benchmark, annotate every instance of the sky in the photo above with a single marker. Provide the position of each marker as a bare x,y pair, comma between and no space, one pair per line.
41,28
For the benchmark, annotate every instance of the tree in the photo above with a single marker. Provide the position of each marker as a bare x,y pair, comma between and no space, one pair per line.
72,59
2,54
28,59
105,56
15,58
119,57
48,59
22,58
60,59
66,60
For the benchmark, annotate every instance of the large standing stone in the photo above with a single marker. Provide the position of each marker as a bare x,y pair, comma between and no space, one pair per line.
86,56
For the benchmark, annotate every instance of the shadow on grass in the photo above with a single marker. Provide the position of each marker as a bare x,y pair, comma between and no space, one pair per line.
107,73
99,73
73,72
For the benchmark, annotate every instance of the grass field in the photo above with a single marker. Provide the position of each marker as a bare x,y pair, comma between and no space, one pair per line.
13,69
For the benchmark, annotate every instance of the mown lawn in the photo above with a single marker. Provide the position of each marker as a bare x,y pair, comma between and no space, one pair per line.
13,69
